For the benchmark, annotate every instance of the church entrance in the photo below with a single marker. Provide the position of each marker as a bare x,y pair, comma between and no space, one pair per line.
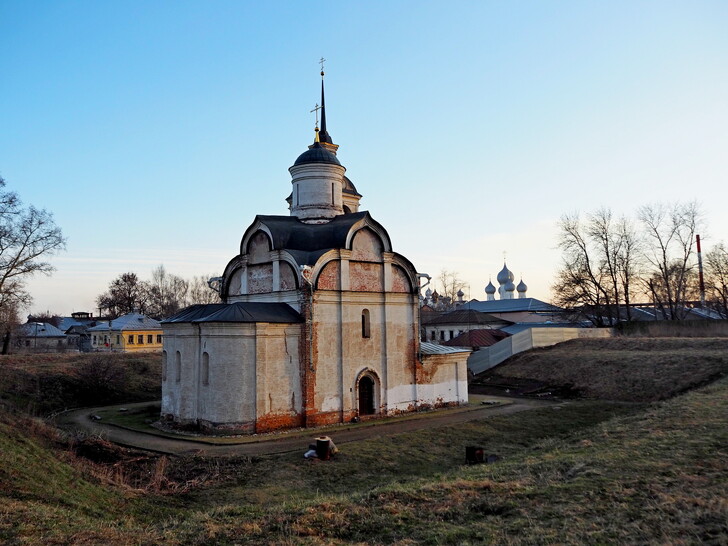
366,396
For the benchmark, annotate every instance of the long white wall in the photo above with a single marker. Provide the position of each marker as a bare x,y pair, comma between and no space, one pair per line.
488,357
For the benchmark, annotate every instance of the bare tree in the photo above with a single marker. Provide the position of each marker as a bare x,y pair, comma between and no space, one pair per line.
126,294
716,262
201,292
669,238
27,236
599,266
167,293
450,284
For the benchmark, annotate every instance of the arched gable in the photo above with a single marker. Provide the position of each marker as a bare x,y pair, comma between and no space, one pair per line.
253,230
366,246
407,273
258,248
369,222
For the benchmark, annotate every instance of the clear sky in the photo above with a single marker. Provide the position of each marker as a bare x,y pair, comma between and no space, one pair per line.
155,131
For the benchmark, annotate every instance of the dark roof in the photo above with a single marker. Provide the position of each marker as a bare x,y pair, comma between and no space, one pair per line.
289,233
461,316
477,338
512,306
237,312
350,188
317,154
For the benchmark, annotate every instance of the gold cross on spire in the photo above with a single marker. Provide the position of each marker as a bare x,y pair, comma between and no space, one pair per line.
321,62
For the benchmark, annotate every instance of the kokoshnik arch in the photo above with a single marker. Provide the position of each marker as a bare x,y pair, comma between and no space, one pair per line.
319,321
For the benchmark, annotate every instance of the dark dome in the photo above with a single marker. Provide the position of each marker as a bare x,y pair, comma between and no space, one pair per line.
317,154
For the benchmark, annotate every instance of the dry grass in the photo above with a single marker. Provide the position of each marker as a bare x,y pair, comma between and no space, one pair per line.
590,472
45,383
622,368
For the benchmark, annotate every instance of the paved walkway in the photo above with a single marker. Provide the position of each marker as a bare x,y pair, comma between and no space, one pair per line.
296,440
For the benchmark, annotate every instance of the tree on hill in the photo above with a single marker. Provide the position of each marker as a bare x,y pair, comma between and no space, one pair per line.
669,238
716,262
167,293
599,265
28,236
126,294
201,292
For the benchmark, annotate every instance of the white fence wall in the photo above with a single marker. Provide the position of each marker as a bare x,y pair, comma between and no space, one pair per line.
488,357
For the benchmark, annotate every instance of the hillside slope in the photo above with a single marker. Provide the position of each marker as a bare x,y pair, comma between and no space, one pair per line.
620,368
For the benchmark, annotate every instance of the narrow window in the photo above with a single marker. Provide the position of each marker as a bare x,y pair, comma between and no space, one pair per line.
159,338
297,200
149,338
94,340
332,193
205,369
164,365
118,339
140,339
365,325
442,335
178,366
130,341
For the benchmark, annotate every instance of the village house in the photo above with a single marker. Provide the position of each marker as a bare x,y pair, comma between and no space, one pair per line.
133,332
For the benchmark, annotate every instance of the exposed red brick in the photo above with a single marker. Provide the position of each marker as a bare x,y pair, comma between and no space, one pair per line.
365,277
330,277
400,282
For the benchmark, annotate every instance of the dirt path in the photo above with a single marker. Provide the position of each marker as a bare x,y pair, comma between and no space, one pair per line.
296,440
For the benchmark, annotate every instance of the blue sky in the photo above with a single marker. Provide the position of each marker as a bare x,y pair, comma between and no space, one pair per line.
155,131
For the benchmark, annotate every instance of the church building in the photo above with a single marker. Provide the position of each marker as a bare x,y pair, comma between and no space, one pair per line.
319,320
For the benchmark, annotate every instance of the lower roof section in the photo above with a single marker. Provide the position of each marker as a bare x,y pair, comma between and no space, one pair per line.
237,312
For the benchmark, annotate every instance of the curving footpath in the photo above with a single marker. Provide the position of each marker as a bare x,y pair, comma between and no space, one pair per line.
296,440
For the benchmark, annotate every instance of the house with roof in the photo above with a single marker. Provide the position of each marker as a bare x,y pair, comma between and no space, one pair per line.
133,332
439,328
319,322
39,337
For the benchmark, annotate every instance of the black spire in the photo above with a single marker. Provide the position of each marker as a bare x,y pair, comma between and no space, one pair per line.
323,133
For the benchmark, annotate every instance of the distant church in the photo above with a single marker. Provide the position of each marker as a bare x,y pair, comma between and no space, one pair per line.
319,323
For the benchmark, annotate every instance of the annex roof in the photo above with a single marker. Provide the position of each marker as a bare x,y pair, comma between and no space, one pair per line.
434,349
240,312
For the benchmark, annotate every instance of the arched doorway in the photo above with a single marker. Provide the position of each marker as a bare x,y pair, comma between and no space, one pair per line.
366,395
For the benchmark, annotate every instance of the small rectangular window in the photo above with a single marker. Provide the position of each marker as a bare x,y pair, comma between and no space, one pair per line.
149,338
131,339
365,324
94,340
159,338
140,339
118,339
